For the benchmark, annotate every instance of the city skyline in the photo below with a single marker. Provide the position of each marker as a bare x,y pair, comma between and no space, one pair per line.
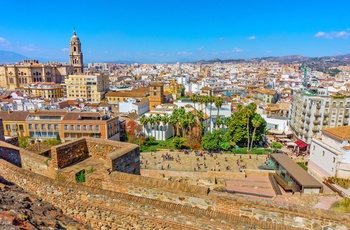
157,31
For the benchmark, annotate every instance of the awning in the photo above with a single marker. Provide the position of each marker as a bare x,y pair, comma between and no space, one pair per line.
291,144
275,131
285,139
288,133
301,144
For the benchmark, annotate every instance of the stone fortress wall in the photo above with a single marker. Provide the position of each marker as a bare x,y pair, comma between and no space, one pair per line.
151,201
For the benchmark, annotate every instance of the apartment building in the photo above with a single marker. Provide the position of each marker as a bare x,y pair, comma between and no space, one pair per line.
47,90
330,154
311,112
13,123
92,88
125,95
44,124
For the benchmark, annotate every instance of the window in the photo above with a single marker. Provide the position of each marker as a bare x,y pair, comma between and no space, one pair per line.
71,127
322,153
154,93
78,127
314,147
91,128
97,127
11,80
84,127
65,127
49,126
36,126
56,126
8,128
30,126
21,128
333,159
43,127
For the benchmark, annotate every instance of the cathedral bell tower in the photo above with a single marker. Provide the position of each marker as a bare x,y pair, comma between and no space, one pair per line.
75,54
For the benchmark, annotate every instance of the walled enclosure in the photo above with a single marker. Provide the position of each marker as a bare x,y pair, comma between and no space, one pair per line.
154,197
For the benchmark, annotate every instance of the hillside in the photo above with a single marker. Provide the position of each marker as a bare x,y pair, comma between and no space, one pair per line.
7,57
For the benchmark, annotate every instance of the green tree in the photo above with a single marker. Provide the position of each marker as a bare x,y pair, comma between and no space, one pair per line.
212,140
150,140
276,145
257,121
178,142
144,121
194,99
218,104
23,142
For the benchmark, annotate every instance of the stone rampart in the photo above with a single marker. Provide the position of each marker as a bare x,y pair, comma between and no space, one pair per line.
119,156
69,153
100,208
25,159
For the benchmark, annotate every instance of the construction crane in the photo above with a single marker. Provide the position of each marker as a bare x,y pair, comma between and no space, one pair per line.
304,67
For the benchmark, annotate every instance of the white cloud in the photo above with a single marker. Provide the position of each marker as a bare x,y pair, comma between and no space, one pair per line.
215,53
236,50
252,38
4,42
105,52
65,50
335,34
268,51
29,48
184,53
200,48
221,39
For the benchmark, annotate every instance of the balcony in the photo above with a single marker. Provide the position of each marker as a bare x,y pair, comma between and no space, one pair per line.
307,128
317,114
304,112
308,121
304,105
346,114
326,114
309,113
315,129
303,119
317,122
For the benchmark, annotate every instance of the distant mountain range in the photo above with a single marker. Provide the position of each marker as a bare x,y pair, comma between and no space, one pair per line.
321,63
7,57
316,63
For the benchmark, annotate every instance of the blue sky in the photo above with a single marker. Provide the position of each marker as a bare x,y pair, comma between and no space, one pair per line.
175,30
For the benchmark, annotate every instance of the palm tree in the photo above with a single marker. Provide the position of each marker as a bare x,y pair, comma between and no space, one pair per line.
191,120
151,121
218,104
211,99
219,121
144,121
257,121
194,99
173,121
248,111
157,120
165,120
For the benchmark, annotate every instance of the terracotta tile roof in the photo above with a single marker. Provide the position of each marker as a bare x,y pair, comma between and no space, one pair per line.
340,132
206,88
347,147
14,116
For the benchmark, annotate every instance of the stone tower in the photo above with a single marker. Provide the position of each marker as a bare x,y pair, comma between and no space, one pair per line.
156,96
75,54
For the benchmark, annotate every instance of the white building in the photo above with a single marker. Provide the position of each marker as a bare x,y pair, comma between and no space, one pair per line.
132,105
160,131
330,155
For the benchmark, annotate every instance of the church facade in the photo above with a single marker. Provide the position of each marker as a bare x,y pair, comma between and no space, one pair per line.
19,75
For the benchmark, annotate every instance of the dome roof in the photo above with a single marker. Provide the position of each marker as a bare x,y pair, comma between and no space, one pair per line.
74,37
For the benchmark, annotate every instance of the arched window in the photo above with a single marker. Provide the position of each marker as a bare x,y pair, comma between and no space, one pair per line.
75,48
